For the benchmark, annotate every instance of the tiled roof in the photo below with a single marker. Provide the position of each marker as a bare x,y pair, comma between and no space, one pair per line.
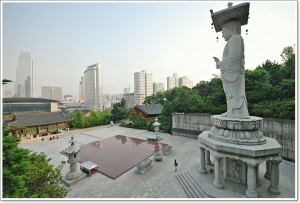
27,100
153,109
38,119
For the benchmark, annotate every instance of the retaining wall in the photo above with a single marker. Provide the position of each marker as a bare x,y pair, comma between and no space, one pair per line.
193,124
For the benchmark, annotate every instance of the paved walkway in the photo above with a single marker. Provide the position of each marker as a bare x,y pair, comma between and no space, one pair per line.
160,181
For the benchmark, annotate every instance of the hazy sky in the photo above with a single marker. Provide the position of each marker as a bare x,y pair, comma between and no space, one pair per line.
161,38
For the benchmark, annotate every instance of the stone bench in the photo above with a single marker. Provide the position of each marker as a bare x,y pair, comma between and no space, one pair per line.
151,138
167,150
143,166
158,156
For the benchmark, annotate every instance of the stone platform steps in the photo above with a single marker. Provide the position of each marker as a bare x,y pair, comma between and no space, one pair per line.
191,187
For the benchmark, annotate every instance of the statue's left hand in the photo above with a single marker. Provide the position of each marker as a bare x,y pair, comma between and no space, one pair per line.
217,61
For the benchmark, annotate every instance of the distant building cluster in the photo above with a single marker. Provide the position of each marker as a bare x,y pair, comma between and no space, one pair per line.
90,87
144,86
176,81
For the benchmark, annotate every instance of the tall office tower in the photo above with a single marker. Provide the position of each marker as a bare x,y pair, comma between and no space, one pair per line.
143,86
172,81
184,81
158,87
81,89
24,84
93,88
52,93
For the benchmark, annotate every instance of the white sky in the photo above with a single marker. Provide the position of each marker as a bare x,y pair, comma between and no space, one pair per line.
161,38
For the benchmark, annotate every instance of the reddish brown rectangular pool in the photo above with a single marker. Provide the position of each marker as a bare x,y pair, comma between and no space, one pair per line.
116,155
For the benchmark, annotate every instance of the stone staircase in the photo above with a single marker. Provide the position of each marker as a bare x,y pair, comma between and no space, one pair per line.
191,186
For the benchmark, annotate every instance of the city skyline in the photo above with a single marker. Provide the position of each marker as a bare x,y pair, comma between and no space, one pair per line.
126,37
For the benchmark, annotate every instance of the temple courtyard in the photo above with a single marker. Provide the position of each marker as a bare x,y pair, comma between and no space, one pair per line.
160,181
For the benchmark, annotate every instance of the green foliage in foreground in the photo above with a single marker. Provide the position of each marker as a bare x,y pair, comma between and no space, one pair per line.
29,175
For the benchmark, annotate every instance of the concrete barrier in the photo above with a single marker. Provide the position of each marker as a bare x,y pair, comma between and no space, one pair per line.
193,124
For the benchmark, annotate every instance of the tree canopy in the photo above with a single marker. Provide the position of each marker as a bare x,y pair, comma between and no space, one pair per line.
29,175
119,111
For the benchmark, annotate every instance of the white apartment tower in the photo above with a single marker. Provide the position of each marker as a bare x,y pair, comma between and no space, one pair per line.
24,84
143,86
172,81
93,88
185,81
158,87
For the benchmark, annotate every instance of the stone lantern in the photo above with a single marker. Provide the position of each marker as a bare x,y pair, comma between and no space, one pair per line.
158,155
156,125
72,152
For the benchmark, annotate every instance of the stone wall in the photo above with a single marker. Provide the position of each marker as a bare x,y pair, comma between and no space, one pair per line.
193,124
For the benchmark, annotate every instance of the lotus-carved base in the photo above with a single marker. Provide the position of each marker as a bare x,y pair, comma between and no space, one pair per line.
237,131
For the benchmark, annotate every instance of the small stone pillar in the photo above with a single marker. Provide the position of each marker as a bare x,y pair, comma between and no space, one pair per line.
207,157
268,170
202,168
273,188
251,181
72,152
218,182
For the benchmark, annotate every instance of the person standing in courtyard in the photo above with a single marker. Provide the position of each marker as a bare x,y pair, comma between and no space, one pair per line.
175,164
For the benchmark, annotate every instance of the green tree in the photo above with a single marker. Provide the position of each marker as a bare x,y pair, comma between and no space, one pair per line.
29,175
15,162
257,84
119,111
204,88
158,98
78,120
140,122
288,57
105,117
42,179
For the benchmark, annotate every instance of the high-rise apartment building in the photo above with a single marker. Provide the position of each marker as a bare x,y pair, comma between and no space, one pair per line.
184,81
81,89
54,93
143,86
158,87
24,84
176,81
93,88
172,81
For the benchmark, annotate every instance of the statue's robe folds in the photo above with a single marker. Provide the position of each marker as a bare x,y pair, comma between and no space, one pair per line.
233,77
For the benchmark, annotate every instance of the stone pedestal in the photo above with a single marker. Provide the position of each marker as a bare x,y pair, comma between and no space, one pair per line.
237,131
241,147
